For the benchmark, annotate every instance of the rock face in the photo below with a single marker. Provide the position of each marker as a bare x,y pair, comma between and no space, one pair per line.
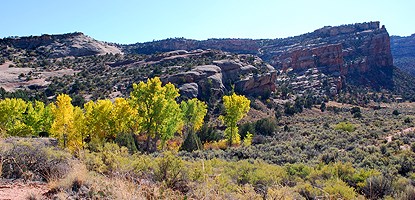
214,80
354,52
230,45
300,58
190,90
54,46
403,51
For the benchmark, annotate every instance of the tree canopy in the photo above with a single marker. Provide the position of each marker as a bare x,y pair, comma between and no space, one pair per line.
158,110
236,108
68,123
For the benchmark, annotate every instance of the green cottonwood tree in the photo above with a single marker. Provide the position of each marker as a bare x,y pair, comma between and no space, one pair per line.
194,112
38,117
158,110
12,117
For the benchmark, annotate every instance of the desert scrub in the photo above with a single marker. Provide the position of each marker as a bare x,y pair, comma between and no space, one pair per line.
32,160
169,170
79,183
337,189
116,161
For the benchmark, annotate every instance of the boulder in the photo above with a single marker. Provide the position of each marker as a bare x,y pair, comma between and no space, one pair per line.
258,85
228,65
208,69
211,81
190,90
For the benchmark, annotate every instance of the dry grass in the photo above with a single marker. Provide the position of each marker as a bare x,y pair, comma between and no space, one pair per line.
77,172
81,183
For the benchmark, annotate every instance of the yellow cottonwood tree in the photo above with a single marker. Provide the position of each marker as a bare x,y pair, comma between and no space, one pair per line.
236,108
157,107
98,120
105,119
67,125
124,117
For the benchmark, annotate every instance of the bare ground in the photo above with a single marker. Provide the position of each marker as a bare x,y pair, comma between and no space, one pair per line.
10,81
398,133
21,190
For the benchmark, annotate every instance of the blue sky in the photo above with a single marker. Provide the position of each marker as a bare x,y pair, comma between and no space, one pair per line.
130,21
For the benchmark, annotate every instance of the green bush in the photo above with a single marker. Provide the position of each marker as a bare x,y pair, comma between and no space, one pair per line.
355,111
345,126
405,162
127,140
208,134
396,112
300,170
169,170
265,126
245,128
337,189
191,143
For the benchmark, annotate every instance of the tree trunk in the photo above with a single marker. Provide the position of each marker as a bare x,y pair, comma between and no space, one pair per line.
148,143
231,138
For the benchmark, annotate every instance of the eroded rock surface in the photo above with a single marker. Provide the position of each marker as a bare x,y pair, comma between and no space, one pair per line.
359,53
54,46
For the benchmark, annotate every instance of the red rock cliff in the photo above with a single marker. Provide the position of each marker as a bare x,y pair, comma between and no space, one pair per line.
351,51
343,49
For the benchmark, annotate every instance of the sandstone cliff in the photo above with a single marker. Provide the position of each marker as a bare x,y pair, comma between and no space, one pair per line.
54,46
403,51
348,51
247,76
353,52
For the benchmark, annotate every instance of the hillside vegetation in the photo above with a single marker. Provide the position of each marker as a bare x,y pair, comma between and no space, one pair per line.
323,115
335,152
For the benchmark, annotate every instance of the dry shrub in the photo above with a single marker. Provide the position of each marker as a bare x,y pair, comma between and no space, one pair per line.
215,145
77,174
32,196
158,192
113,160
377,187
245,192
337,189
31,160
3,148
285,193
169,170
82,184
214,188
408,193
